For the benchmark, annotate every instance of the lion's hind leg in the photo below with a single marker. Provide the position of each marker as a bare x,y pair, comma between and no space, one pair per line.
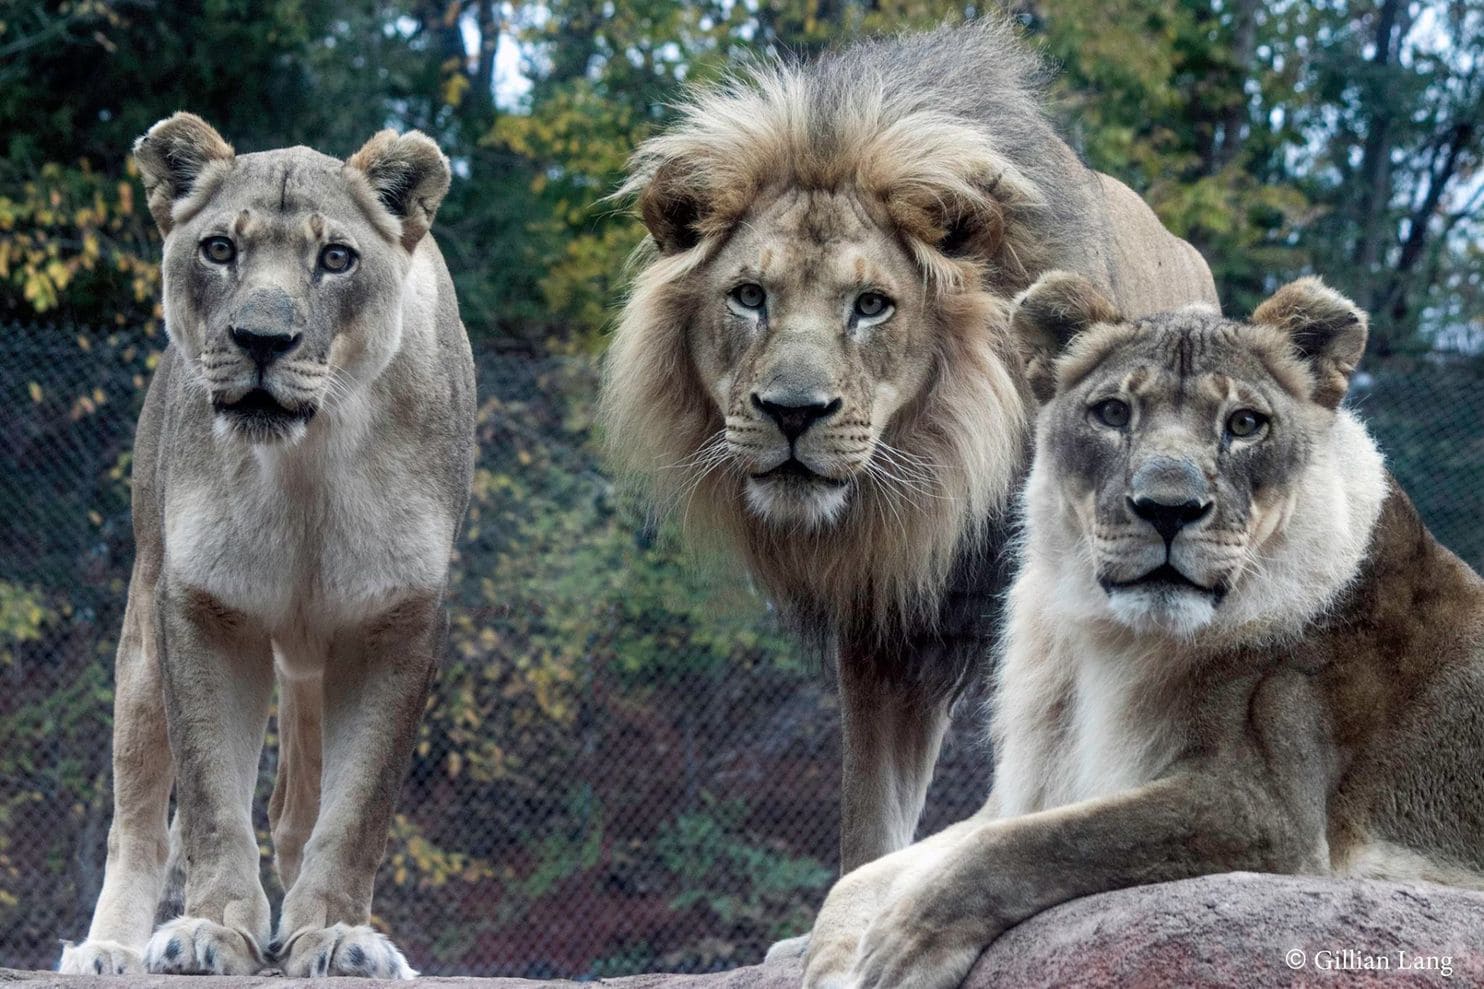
294,805
138,838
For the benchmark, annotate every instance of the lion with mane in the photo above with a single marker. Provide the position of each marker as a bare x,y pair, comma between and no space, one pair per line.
814,363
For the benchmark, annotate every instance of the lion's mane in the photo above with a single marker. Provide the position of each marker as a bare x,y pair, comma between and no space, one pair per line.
941,137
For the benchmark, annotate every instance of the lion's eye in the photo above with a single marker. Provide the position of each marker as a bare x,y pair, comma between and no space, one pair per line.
750,295
1245,422
1113,412
336,257
871,304
218,250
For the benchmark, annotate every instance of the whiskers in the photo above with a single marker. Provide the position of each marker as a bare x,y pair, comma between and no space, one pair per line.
905,483
339,388
691,472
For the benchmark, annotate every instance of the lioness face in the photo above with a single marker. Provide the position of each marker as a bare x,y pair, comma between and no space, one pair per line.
810,333
1174,447
273,289
284,270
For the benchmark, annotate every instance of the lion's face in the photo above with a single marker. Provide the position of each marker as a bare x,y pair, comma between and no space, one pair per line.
284,270
810,334
1174,449
273,290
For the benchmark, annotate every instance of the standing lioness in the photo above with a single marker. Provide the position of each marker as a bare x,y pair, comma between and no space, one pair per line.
1232,643
301,465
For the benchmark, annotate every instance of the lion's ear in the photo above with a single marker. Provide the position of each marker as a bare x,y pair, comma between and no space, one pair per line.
960,206
1328,332
1048,315
409,176
956,225
672,207
172,156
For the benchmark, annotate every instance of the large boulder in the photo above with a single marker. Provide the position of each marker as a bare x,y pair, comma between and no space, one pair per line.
1240,929
1245,929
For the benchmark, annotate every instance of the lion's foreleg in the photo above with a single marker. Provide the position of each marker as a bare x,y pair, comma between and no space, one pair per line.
1009,870
376,684
891,734
294,806
860,897
218,676
138,843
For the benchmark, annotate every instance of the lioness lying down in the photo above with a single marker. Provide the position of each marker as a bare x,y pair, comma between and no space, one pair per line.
1232,643
301,465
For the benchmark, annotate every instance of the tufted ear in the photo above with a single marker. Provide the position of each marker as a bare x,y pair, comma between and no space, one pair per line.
1328,333
957,225
172,156
409,176
672,206
1048,315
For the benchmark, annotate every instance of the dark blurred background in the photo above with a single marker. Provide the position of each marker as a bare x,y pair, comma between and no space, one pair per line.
626,766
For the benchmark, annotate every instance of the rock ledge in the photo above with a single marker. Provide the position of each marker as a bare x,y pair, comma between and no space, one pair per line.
1239,929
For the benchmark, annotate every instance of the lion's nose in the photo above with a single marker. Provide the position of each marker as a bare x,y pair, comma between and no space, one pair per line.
1168,518
794,414
265,346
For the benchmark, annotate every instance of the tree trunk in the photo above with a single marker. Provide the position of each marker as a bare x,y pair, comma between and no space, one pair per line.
1374,174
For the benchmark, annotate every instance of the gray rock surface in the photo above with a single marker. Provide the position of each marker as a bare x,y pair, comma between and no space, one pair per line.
1239,929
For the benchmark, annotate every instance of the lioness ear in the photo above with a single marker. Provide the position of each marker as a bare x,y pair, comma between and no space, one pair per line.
671,207
172,155
409,176
1327,330
1048,315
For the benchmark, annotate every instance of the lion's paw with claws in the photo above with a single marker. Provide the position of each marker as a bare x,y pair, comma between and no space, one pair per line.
343,950
100,958
194,946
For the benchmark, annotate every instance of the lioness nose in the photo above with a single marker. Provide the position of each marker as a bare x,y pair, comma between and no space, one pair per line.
1168,518
265,346
793,414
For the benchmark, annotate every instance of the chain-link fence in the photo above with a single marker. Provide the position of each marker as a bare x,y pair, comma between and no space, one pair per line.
626,765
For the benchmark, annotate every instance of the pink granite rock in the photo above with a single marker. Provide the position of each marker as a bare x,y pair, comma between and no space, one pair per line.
1240,929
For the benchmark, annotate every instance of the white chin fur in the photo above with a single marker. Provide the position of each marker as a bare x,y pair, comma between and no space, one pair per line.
225,429
1178,613
817,508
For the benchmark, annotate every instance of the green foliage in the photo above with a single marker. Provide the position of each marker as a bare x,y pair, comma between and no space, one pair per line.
736,880
23,615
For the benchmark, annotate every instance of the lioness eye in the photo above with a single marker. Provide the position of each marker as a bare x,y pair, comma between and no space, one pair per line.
336,257
1113,412
218,250
1245,422
750,295
869,304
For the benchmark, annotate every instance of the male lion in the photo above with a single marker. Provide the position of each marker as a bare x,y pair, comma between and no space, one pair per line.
813,362
300,468
1232,644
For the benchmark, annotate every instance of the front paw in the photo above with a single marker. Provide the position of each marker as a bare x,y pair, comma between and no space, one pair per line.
99,958
829,964
911,955
787,951
344,950
855,902
193,946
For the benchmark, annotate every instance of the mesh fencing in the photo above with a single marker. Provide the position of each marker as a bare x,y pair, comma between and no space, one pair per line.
626,765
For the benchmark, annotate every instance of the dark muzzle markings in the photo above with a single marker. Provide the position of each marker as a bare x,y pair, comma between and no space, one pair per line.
259,399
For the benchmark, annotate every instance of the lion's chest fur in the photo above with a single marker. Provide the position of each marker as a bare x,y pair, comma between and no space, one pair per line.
311,539
1073,719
